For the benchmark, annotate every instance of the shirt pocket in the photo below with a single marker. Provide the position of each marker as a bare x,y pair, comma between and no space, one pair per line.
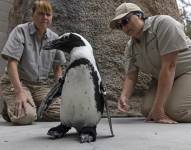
141,63
47,58
152,51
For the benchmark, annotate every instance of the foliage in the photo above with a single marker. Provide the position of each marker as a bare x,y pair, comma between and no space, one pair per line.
188,28
185,10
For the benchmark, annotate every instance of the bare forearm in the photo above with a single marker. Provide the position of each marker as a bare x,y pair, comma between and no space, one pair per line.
128,87
57,71
165,83
129,84
13,75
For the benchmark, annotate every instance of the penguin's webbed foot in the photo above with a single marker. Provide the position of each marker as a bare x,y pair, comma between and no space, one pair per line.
86,138
88,134
58,131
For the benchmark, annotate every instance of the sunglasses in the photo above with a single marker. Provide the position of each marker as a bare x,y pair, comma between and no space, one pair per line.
123,22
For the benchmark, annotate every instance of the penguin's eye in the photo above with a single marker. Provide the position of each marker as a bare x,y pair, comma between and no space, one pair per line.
66,37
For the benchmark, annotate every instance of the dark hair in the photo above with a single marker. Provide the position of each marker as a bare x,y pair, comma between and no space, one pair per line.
43,5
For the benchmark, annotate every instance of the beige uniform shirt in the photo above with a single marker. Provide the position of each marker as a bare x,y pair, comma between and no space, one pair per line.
161,35
34,63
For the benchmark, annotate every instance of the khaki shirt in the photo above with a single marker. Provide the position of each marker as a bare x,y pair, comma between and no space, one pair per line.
161,35
34,63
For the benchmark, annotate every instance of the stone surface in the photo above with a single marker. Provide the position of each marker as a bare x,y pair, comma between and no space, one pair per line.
5,6
130,134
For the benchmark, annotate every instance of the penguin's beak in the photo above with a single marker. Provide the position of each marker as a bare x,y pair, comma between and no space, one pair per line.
48,46
55,44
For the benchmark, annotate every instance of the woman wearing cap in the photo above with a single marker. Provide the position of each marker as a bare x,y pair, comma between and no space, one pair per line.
157,46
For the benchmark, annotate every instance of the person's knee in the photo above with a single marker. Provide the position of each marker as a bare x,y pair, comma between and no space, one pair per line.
171,111
29,118
179,114
51,116
53,112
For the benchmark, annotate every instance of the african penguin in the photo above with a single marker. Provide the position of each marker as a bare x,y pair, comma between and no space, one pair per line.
82,101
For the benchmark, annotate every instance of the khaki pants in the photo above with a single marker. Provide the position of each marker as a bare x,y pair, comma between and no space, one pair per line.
178,104
36,92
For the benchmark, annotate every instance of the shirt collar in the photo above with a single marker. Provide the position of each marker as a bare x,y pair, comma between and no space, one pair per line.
147,24
33,30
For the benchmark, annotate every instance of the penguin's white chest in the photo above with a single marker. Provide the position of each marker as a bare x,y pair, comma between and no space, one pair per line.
78,105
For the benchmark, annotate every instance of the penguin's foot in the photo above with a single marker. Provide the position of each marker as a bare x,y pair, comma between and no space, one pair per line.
86,138
58,131
88,134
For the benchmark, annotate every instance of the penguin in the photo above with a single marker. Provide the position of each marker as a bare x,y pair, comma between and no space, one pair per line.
82,100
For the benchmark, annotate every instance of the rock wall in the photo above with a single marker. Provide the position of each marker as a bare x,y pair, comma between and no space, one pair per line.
91,19
5,6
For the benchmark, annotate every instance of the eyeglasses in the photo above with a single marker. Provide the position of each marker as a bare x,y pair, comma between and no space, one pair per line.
123,22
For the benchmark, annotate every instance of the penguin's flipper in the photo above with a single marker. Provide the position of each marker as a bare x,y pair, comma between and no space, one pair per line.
107,108
58,131
53,93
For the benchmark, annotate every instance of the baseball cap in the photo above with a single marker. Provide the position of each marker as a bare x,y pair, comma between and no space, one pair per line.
123,10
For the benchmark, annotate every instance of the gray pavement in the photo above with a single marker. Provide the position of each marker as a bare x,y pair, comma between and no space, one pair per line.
130,134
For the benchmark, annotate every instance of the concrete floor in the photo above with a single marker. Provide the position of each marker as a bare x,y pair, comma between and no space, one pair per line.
130,134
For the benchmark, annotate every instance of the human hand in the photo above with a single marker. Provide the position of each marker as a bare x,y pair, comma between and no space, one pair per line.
20,105
122,104
158,115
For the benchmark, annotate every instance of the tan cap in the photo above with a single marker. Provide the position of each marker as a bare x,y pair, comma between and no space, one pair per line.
121,11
